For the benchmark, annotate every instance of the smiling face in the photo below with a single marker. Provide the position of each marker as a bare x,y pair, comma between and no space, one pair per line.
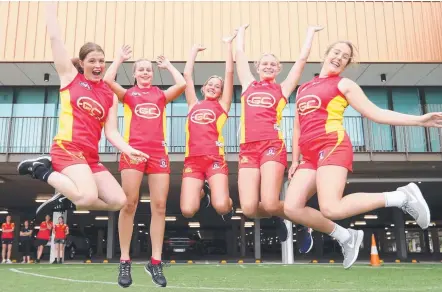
338,57
268,67
213,88
94,66
143,73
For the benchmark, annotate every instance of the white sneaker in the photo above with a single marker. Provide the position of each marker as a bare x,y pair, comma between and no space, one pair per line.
350,248
8,262
415,205
3,261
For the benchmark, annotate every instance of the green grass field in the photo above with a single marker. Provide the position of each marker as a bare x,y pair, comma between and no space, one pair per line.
248,277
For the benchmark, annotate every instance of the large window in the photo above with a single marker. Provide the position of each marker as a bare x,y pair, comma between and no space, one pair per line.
433,97
409,139
6,97
380,135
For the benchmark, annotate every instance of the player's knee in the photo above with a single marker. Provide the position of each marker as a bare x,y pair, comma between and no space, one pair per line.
159,208
130,207
331,212
118,202
221,206
291,210
188,211
271,207
249,211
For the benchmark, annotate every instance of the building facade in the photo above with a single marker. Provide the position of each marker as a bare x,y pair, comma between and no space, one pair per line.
399,54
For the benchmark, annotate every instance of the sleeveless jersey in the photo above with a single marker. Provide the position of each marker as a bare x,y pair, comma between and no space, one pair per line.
60,231
204,126
7,226
46,233
261,112
145,119
84,106
320,106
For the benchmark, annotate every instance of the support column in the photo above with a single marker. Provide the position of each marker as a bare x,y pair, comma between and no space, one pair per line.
234,238
399,230
229,242
257,243
426,242
318,244
435,239
243,237
55,216
100,237
134,241
110,251
287,246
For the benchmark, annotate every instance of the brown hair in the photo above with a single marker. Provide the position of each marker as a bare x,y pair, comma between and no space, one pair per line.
84,51
353,50
134,68
207,81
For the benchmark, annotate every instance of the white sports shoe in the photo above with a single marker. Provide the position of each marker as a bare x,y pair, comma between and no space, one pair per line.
415,205
350,248
8,262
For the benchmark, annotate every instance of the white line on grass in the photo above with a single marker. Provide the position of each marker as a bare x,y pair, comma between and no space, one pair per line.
234,289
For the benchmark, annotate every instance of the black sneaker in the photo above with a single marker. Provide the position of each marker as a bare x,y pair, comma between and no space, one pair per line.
124,276
281,229
228,216
54,203
156,272
205,201
28,166
55,261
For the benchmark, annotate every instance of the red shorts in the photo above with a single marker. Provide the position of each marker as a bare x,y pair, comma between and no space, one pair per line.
157,163
331,149
255,154
203,167
64,154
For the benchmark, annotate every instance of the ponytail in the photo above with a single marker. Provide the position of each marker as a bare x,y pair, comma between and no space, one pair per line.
76,63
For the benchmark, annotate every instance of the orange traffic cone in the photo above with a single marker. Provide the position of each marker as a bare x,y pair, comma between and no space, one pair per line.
374,259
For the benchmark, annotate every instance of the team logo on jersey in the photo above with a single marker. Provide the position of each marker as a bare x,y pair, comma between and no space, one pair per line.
163,163
135,93
261,99
188,170
271,152
85,85
243,159
147,110
203,116
308,104
92,107
215,165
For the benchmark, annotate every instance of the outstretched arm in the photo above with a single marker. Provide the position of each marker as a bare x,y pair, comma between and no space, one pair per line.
242,64
190,93
62,61
180,84
226,98
360,102
124,54
290,83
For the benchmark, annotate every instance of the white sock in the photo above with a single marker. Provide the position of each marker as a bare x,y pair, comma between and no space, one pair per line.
340,233
394,199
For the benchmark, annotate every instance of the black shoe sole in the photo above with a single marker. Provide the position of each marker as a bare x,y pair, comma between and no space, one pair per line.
33,160
124,286
158,285
55,197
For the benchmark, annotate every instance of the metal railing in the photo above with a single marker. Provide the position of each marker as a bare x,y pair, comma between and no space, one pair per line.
35,134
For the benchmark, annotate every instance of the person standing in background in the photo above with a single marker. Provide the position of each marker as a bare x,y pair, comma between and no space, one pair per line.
7,239
25,239
43,236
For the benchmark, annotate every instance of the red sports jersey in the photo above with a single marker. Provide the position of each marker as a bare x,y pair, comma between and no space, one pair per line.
44,232
7,226
321,107
204,129
60,231
84,106
145,119
261,112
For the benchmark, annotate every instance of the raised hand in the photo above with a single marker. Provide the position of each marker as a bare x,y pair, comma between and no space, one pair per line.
125,53
229,39
163,62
